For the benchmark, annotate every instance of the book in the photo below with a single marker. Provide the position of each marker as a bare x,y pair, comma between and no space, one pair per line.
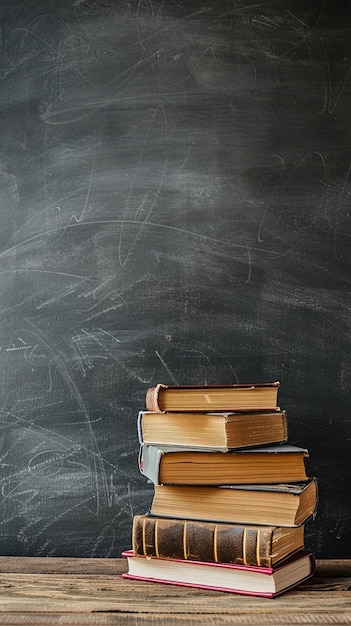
243,579
270,505
261,546
185,466
236,397
222,431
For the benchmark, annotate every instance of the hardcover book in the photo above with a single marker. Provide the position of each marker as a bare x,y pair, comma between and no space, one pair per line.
236,397
222,431
270,505
261,546
242,579
185,466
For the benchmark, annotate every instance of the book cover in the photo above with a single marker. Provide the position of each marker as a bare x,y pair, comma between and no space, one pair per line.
244,397
178,465
242,579
261,546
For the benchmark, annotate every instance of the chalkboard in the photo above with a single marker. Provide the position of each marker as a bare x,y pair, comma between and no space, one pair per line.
174,207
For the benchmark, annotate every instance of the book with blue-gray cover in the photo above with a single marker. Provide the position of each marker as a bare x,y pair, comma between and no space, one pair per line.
177,465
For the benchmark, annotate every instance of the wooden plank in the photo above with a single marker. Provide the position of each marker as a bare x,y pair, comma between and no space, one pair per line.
62,565
92,591
325,568
88,593
132,619
335,568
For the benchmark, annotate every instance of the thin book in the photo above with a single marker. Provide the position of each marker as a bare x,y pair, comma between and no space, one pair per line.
236,397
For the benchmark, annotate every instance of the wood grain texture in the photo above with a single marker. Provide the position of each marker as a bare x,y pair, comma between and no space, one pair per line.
92,591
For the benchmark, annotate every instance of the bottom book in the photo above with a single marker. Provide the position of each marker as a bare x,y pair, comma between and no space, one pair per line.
249,580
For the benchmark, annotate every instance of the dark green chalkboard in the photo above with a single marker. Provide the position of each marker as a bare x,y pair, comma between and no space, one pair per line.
174,207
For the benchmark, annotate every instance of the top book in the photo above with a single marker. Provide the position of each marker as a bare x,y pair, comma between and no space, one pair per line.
236,397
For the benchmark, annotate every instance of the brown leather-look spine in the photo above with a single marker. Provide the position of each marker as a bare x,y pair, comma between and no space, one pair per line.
202,541
264,546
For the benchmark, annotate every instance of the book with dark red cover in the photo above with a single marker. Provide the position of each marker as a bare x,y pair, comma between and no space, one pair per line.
241,579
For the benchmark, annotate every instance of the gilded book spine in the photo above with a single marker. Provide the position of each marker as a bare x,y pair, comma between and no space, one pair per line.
202,541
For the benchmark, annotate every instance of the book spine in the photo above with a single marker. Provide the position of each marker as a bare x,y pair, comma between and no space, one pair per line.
151,399
140,427
149,462
285,425
202,541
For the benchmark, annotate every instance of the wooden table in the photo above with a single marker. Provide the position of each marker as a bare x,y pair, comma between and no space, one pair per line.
91,591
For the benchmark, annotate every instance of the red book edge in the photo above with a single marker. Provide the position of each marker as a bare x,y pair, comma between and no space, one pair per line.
263,570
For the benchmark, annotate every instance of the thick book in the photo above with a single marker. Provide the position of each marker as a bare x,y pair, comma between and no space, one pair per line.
261,546
222,431
184,466
270,505
243,579
236,397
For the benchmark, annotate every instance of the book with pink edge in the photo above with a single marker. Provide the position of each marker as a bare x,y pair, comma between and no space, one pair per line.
241,579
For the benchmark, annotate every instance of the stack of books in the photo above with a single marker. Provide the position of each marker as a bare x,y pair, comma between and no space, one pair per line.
231,496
